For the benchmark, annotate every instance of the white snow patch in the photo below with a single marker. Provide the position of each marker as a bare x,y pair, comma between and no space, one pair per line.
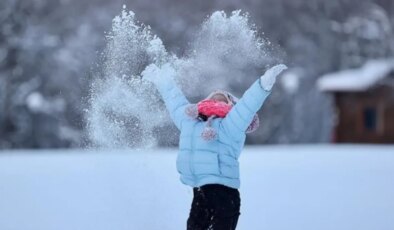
357,79
282,187
290,81
36,102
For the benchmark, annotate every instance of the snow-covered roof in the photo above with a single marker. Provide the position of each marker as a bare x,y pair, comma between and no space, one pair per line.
357,79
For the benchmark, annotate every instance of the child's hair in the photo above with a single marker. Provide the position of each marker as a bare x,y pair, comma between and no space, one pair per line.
202,117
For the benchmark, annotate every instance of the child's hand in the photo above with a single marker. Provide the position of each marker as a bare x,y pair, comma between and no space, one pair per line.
269,78
150,73
155,74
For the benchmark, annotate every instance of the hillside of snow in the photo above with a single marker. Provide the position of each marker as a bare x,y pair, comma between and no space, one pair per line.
283,187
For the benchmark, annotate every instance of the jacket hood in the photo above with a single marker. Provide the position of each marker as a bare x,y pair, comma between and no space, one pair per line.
232,100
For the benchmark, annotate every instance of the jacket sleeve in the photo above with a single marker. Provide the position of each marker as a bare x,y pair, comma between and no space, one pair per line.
174,100
241,115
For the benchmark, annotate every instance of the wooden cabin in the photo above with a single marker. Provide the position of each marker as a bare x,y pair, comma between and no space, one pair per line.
364,101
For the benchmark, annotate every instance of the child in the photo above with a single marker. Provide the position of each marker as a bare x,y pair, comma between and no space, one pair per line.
212,136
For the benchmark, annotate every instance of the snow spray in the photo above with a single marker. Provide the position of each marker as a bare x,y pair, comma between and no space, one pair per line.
225,52
125,111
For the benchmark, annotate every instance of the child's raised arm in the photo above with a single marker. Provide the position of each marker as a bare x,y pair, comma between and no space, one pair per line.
241,115
175,101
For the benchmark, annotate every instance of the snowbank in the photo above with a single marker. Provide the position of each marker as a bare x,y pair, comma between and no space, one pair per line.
287,187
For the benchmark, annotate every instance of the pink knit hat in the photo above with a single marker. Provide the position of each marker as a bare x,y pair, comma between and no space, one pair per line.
212,109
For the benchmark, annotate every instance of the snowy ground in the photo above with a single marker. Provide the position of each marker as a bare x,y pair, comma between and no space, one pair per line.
286,187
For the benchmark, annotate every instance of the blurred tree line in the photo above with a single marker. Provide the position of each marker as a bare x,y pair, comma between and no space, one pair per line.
49,47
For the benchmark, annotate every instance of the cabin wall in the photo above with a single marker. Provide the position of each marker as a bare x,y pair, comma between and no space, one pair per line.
365,117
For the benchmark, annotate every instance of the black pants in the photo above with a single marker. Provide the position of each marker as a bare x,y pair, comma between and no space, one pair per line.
214,207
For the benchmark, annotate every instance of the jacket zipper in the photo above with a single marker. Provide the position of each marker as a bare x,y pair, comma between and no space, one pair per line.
191,164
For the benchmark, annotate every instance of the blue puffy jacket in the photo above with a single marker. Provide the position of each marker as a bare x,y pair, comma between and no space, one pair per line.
201,162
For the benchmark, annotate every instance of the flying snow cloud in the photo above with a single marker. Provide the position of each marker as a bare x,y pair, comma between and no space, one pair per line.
125,111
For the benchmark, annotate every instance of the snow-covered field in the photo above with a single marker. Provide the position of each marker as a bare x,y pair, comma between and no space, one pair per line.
283,187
